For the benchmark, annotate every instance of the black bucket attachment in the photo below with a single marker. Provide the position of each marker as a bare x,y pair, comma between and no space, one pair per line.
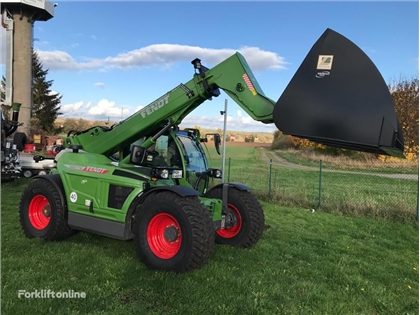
338,98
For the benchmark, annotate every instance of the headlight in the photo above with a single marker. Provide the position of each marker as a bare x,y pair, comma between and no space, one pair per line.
176,174
214,172
164,173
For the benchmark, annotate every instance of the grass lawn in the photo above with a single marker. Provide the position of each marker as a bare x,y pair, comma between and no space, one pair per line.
346,193
302,157
305,263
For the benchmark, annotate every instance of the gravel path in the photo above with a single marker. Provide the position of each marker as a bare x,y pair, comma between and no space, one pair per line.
277,160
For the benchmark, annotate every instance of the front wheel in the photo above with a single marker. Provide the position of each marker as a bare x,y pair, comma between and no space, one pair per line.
173,233
42,213
27,173
245,218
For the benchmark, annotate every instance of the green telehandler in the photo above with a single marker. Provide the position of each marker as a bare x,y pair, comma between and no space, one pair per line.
156,192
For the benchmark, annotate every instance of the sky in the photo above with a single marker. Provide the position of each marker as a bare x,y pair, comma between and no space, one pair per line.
110,59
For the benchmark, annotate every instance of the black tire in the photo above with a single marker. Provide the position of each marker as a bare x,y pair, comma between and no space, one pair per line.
249,215
20,140
39,196
166,217
27,173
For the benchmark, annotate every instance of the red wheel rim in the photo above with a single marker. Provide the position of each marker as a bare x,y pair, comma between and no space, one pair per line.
39,212
164,236
234,230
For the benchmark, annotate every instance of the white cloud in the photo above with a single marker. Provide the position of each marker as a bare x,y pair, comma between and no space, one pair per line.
60,60
138,108
163,55
233,123
100,85
222,119
106,108
167,54
71,109
95,111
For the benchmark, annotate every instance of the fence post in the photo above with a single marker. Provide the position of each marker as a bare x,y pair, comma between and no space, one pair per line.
269,179
229,171
320,183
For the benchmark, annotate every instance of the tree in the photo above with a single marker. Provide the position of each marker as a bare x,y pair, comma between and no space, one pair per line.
249,138
76,124
45,103
405,94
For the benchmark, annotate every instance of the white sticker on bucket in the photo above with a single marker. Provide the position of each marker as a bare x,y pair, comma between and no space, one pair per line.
325,62
73,197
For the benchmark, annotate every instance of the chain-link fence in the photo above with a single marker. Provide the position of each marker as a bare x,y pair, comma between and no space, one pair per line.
362,191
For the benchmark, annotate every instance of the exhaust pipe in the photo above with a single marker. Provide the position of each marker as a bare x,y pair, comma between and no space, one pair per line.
14,123
338,97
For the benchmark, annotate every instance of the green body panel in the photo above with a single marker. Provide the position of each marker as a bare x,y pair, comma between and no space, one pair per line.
250,97
214,206
88,176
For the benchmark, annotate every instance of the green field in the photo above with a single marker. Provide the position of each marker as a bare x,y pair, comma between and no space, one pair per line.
335,192
359,162
306,263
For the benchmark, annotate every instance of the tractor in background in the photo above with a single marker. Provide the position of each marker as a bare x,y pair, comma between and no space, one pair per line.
10,162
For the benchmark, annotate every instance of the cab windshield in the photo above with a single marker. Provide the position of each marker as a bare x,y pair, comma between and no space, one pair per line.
196,161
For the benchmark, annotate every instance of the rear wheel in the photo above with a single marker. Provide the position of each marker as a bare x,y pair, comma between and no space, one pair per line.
41,212
173,233
245,218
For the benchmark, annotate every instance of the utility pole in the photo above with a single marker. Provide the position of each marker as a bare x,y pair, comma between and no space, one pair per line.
224,139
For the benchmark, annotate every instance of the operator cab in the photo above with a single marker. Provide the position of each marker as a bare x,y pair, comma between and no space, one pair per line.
180,149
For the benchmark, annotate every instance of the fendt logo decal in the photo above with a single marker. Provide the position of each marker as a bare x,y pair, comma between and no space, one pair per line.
149,109
249,84
322,74
89,169
325,62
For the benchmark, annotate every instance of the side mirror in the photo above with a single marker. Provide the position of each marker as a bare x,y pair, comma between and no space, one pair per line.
138,155
217,142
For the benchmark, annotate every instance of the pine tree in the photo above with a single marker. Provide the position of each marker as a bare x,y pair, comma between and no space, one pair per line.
45,104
